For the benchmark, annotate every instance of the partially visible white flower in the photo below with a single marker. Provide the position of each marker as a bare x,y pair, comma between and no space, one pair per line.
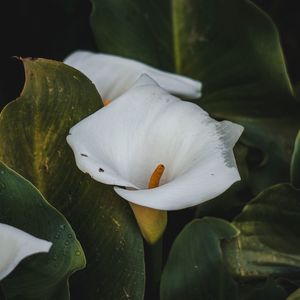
123,143
113,75
15,246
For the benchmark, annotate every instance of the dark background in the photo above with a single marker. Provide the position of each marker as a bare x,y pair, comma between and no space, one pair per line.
53,29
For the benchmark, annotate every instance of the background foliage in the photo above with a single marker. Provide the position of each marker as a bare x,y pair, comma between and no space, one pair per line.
52,29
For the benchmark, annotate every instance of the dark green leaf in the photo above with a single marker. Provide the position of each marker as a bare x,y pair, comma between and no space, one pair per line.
258,291
233,48
137,29
33,132
295,295
43,275
269,243
194,269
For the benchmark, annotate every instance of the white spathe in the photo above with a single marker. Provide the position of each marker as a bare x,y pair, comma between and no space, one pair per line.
114,75
122,143
15,245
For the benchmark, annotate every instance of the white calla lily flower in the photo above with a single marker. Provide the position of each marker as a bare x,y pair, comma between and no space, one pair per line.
114,75
17,245
123,143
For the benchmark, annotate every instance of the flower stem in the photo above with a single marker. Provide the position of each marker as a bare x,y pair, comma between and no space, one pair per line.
153,259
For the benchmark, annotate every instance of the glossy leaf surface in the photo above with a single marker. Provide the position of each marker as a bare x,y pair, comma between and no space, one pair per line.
33,132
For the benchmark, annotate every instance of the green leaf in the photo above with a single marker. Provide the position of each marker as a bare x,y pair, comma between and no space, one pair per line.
269,243
295,295
195,269
137,29
295,164
41,275
33,132
268,290
203,40
232,47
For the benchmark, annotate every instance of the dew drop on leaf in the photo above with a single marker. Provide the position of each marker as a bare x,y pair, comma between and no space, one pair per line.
2,186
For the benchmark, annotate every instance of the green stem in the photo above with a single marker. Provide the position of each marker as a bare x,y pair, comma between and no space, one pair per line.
153,259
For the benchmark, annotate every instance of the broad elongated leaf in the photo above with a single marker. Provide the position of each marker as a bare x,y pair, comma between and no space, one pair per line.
232,47
269,243
295,295
195,269
137,29
203,40
33,132
43,275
